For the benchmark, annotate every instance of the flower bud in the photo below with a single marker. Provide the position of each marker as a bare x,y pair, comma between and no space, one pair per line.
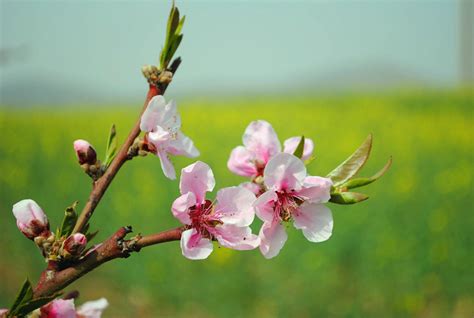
74,245
30,219
85,152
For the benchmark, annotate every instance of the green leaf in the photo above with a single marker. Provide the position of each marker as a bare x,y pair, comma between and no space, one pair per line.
173,37
69,220
24,295
360,182
90,236
111,149
29,306
353,164
347,197
299,149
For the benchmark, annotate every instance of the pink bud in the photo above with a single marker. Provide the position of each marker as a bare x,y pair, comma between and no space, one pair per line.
30,219
59,308
3,312
85,152
75,244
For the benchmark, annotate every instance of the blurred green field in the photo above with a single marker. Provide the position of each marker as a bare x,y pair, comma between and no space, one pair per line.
407,251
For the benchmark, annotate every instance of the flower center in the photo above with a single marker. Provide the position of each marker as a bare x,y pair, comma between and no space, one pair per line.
203,219
286,205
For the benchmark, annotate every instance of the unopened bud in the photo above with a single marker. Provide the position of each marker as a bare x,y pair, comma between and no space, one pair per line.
85,152
74,245
30,219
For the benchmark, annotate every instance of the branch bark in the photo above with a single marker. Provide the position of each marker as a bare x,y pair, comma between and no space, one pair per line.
116,246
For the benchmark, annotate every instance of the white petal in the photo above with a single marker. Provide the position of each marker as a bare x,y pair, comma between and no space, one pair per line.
273,237
182,146
93,309
151,115
316,189
170,119
166,165
235,205
315,220
197,178
181,205
242,162
28,210
265,205
290,145
284,172
237,237
193,246
261,139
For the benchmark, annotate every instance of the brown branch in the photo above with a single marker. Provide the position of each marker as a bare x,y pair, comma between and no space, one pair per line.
116,246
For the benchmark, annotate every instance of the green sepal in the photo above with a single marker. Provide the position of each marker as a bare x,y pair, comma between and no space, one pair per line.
360,182
69,221
347,197
353,164
111,149
24,296
299,149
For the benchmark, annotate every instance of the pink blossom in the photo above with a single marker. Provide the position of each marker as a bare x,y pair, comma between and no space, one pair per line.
226,220
30,219
3,312
59,308
260,144
292,195
85,152
162,122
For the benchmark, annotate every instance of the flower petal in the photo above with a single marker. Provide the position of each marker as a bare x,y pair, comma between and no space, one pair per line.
265,205
194,246
242,162
166,165
59,308
182,146
273,237
151,115
197,178
290,145
315,220
236,237
284,172
235,205
28,210
316,189
93,309
252,187
181,205
170,119
261,139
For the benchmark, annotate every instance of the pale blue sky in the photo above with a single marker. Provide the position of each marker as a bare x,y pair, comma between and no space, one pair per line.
93,50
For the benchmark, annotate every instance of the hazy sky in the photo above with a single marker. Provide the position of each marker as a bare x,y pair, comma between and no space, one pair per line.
93,50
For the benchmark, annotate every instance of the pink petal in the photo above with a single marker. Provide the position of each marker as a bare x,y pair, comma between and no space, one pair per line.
198,179
262,140
315,220
182,146
265,206
181,205
273,237
252,187
316,189
236,237
166,165
194,246
169,118
93,309
59,308
289,146
284,172
235,205
242,162
151,115
159,137
28,210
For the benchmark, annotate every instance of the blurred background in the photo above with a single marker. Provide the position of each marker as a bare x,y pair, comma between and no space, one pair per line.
333,71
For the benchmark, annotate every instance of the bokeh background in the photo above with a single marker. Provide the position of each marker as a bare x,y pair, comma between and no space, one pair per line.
333,71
